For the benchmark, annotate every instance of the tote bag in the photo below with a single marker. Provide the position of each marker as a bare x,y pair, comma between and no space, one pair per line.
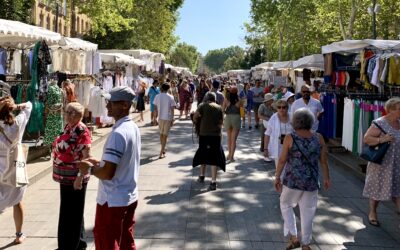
16,174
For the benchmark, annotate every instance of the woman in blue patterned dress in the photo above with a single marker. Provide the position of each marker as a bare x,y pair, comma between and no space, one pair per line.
301,152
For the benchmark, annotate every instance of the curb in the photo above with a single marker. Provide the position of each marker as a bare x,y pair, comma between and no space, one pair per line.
351,168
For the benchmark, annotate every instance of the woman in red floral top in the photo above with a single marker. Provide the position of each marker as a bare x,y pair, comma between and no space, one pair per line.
71,146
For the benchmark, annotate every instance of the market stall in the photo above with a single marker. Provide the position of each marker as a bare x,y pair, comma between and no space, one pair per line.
359,76
153,60
308,69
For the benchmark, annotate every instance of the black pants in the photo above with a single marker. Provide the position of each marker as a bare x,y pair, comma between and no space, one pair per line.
71,229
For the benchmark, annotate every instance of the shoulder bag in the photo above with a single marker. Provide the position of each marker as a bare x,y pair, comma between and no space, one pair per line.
17,174
375,153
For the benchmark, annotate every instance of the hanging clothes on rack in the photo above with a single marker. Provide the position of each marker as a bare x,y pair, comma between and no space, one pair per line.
35,124
54,120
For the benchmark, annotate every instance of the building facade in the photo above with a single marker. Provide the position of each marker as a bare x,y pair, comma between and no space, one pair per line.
57,16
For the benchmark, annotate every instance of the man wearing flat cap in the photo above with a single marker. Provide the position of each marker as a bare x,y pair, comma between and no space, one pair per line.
118,173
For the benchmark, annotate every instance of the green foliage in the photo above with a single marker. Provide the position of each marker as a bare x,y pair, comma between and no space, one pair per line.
215,59
17,10
184,55
136,24
108,15
290,29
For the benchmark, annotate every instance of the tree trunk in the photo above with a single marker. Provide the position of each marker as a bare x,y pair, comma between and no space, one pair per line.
340,19
350,29
73,19
280,45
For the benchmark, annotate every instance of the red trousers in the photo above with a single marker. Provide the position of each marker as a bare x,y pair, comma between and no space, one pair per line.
114,227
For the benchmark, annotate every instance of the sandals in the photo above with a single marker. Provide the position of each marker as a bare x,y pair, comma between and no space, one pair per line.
19,238
374,222
292,244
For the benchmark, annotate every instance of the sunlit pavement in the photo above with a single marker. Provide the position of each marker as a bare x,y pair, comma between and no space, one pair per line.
243,213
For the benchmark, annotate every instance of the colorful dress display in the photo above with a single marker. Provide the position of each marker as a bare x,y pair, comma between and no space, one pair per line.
54,122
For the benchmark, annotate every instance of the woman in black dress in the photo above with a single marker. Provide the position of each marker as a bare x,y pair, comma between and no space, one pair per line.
140,101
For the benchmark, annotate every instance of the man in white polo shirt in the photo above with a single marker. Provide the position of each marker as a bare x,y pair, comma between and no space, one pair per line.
118,172
310,103
164,105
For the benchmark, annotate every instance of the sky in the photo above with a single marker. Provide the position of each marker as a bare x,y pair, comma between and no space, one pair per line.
213,24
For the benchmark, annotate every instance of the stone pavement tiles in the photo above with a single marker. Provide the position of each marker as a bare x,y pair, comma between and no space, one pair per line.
243,213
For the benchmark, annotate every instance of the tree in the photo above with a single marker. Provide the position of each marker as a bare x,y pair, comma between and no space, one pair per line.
17,10
215,59
289,29
184,55
134,24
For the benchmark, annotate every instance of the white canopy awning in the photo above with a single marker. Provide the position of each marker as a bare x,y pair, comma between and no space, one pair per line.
356,46
21,35
76,44
282,65
264,65
120,58
315,61
136,53
153,60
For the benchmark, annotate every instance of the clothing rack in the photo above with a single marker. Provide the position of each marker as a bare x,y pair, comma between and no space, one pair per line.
368,96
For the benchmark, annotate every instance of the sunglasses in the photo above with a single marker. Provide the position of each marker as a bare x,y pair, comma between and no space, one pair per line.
281,107
306,92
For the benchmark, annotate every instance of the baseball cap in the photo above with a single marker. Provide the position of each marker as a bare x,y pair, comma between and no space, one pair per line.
121,93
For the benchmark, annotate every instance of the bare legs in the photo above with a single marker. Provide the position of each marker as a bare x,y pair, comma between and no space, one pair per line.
18,220
373,216
397,201
256,118
232,135
213,172
163,140
249,118
153,118
141,116
186,107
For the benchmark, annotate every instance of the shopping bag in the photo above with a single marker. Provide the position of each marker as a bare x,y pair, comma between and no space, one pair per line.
21,174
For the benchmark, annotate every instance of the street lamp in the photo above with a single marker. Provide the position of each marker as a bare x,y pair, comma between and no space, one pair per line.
373,10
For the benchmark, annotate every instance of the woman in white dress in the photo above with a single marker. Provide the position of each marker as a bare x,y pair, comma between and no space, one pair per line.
13,130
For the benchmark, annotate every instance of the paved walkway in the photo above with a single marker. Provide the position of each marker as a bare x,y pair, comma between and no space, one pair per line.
243,213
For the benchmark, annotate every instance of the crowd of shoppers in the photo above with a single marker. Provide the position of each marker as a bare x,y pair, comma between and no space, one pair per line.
288,138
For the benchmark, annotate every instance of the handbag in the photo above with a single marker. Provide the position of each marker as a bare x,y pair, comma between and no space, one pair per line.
134,102
16,175
375,153
21,174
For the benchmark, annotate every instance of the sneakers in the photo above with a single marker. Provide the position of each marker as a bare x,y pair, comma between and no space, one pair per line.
201,179
250,127
213,186
257,126
267,159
